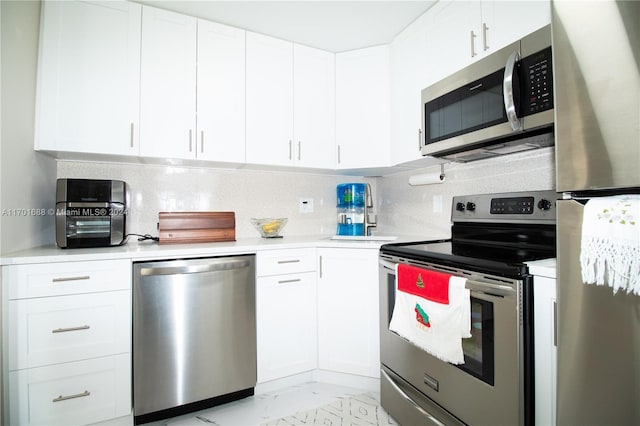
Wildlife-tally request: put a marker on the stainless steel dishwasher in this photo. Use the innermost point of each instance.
(194, 334)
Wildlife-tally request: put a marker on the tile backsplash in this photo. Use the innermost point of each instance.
(248, 193)
(415, 211)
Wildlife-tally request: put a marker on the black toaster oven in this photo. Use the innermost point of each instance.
(91, 213)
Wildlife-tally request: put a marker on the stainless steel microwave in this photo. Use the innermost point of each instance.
(498, 105)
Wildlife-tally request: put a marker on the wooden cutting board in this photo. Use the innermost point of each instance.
(196, 227)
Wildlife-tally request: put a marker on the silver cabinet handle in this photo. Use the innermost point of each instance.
(407, 398)
(299, 150)
(473, 44)
(64, 279)
(64, 330)
(290, 149)
(190, 140)
(202, 141)
(297, 280)
(338, 154)
(320, 267)
(485, 46)
(280, 262)
(507, 91)
(131, 135)
(78, 395)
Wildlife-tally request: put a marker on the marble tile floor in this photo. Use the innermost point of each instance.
(264, 407)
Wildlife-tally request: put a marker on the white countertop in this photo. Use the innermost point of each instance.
(148, 250)
(543, 268)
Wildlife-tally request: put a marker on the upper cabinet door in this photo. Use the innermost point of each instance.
(168, 85)
(269, 110)
(409, 69)
(314, 107)
(363, 108)
(221, 93)
(88, 77)
(507, 21)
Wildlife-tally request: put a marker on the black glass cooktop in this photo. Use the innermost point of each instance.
(494, 249)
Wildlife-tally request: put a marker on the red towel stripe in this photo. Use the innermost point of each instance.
(430, 285)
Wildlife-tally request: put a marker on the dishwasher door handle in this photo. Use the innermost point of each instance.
(195, 269)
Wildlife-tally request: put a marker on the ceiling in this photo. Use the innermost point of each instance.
(335, 26)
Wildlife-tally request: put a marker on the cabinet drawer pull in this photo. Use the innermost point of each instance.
(290, 149)
(299, 150)
(296, 280)
(202, 141)
(64, 330)
(280, 262)
(78, 395)
(131, 135)
(191, 140)
(80, 278)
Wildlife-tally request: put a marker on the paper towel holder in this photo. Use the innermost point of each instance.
(428, 178)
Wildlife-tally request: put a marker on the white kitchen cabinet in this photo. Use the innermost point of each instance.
(286, 313)
(290, 104)
(269, 100)
(313, 107)
(67, 345)
(348, 311)
(88, 77)
(409, 75)
(220, 93)
(508, 21)
(546, 348)
(168, 85)
(74, 393)
(363, 108)
(463, 32)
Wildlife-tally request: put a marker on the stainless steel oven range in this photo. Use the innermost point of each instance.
(492, 235)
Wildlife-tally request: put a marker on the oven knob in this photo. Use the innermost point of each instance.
(544, 204)
(471, 206)
(460, 207)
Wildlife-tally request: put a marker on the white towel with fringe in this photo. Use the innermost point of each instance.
(610, 246)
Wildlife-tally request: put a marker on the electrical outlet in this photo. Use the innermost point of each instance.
(306, 205)
(437, 203)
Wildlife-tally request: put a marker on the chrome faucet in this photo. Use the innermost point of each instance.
(368, 206)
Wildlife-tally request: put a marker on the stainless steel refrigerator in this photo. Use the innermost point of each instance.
(597, 105)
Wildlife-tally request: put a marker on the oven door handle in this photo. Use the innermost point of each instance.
(491, 289)
(410, 400)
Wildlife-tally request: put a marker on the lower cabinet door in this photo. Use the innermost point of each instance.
(75, 393)
(286, 325)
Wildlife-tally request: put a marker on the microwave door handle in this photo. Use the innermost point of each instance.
(507, 91)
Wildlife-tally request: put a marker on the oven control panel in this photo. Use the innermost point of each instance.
(516, 207)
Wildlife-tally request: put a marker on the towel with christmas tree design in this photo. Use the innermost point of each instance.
(433, 311)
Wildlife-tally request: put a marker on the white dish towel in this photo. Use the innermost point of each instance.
(432, 311)
(610, 246)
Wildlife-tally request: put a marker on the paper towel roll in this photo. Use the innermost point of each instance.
(426, 179)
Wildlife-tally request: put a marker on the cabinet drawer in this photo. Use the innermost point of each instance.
(277, 262)
(56, 279)
(75, 393)
(59, 329)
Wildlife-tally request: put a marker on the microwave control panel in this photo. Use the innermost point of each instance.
(538, 82)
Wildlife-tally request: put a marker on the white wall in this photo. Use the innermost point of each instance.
(27, 177)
